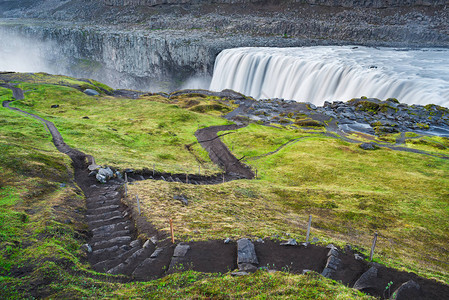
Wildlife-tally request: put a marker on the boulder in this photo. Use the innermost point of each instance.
(246, 252)
(367, 280)
(368, 146)
(104, 174)
(91, 92)
(408, 290)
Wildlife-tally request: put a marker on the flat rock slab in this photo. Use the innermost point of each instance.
(367, 280)
(246, 252)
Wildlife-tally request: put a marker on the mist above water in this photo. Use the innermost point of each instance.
(21, 54)
(330, 73)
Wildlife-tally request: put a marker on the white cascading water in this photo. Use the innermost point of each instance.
(331, 73)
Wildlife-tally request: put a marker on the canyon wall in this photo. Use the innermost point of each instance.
(335, 3)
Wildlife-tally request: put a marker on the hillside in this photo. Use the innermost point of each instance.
(400, 192)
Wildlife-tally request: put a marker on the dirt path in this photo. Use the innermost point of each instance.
(114, 248)
(220, 154)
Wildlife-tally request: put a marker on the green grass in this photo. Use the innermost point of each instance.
(351, 193)
(125, 133)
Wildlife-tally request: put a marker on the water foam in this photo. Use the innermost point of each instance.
(331, 73)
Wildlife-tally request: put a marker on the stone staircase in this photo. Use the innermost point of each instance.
(114, 249)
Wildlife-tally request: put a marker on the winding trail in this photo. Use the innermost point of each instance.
(115, 249)
(219, 153)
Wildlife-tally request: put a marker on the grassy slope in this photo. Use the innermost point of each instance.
(349, 192)
(41, 231)
(124, 133)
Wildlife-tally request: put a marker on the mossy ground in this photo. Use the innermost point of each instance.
(350, 193)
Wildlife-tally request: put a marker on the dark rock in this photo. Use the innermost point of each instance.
(93, 173)
(368, 146)
(181, 198)
(332, 252)
(156, 252)
(367, 280)
(327, 272)
(86, 117)
(181, 250)
(246, 252)
(408, 290)
(55, 106)
(333, 262)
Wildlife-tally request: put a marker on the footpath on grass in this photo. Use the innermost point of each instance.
(115, 249)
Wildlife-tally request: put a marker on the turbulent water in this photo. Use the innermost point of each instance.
(318, 74)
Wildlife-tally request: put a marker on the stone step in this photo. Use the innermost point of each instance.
(120, 240)
(150, 265)
(129, 265)
(111, 228)
(103, 203)
(102, 210)
(106, 236)
(178, 258)
(103, 216)
(108, 264)
(110, 221)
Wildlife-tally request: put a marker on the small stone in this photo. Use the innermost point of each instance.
(290, 242)
(332, 252)
(240, 273)
(227, 240)
(146, 244)
(305, 271)
(134, 243)
(153, 239)
(55, 106)
(368, 146)
(86, 117)
(259, 240)
(315, 240)
(246, 267)
(92, 174)
(331, 246)
(358, 257)
(87, 248)
(304, 244)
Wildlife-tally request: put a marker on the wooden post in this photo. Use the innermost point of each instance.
(223, 177)
(308, 228)
(171, 231)
(199, 169)
(126, 184)
(373, 246)
(154, 166)
(256, 173)
(187, 178)
(138, 204)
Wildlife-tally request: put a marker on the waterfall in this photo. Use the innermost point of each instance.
(331, 73)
